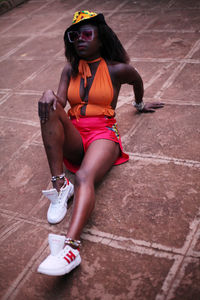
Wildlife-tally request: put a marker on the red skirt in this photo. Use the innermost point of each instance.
(96, 128)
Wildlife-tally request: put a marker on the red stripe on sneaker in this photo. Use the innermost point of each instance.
(67, 260)
(71, 255)
(67, 180)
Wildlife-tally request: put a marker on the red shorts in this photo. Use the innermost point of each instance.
(96, 128)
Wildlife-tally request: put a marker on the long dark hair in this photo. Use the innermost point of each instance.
(111, 49)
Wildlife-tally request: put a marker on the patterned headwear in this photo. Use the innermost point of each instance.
(85, 16)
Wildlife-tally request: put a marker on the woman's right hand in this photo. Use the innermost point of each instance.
(46, 102)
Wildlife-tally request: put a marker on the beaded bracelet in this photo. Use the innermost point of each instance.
(54, 178)
(73, 243)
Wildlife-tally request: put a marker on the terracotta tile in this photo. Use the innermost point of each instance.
(5, 222)
(100, 6)
(6, 21)
(126, 90)
(23, 69)
(197, 246)
(189, 286)
(2, 95)
(22, 181)
(163, 73)
(32, 24)
(168, 132)
(15, 259)
(185, 86)
(196, 55)
(24, 9)
(9, 43)
(24, 106)
(124, 37)
(43, 47)
(183, 4)
(163, 45)
(59, 7)
(60, 26)
(118, 20)
(141, 5)
(98, 277)
(148, 201)
(13, 135)
(46, 79)
(177, 20)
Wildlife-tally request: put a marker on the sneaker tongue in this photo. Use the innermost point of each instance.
(56, 243)
(52, 195)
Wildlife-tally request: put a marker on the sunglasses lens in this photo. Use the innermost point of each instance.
(87, 35)
(73, 36)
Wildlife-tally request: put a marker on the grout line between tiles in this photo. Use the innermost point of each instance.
(14, 287)
(164, 159)
(177, 70)
(176, 272)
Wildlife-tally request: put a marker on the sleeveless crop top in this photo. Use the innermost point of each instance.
(100, 95)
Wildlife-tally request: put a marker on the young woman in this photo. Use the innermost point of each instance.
(87, 139)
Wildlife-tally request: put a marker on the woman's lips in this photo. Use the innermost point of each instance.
(81, 46)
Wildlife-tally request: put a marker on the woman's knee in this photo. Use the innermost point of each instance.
(57, 112)
(82, 176)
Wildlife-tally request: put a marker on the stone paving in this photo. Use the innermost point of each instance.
(143, 239)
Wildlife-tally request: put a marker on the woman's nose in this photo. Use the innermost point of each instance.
(80, 37)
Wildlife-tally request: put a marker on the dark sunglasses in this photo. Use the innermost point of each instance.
(85, 35)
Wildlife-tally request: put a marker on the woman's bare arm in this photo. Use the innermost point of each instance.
(125, 73)
(49, 98)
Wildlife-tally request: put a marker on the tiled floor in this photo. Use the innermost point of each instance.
(143, 239)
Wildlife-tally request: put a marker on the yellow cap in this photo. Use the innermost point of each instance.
(83, 15)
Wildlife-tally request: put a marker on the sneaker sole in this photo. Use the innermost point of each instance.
(63, 271)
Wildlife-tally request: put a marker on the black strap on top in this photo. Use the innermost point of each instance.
(87, 90)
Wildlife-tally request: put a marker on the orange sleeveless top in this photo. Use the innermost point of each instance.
(100, 95)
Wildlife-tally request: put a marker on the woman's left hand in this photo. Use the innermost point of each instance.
(151, 107)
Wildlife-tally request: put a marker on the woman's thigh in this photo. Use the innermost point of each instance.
(99, 158)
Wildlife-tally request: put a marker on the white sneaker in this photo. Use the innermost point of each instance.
(58, 207)
(61, 260)
(56, 243)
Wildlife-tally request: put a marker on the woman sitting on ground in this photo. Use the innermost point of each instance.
(87, 139)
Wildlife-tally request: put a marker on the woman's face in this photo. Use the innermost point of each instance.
(86, 48)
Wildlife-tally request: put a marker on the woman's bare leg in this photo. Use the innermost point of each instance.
(97, 161)
(61, 139)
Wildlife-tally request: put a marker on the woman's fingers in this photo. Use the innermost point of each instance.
(54, 104)
(47, 101)
(150, 107)
(46, 114)
(157, 105)
(148, 110)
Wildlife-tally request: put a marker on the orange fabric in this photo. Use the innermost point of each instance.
(84, 71)
(100, 94)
